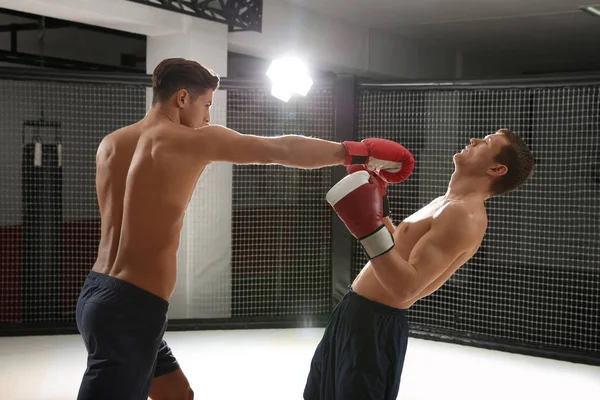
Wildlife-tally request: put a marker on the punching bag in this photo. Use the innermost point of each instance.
(41, 268)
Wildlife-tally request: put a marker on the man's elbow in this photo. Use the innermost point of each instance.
(397, 276)
(407, 290)
(278, 152)
(404, 293)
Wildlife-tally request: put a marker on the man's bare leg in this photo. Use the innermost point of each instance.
(171, 386)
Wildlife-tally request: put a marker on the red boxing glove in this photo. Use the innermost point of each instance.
(358, 203)
(390, 160)
(377, 180)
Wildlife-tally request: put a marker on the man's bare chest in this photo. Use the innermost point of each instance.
(415, 226)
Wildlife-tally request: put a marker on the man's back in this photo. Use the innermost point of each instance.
(143, 188)
(146, 174)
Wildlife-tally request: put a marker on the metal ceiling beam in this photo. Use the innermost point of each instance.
(35, 60)
(52, 23)
(34, 26)
(238, 15)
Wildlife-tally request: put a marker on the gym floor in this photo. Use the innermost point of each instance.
(273, 364)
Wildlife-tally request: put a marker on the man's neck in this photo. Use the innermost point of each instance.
(159, 112)
(465, 187)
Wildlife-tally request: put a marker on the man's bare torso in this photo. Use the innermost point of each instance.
(406, 235)
(143, 185)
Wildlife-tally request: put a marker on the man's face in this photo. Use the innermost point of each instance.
(479, 156)
(196, 114)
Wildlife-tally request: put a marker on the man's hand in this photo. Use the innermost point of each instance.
(377, 180)
(390, 160)
(357, 201)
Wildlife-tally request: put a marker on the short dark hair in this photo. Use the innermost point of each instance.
(517, 157)
(173, 74)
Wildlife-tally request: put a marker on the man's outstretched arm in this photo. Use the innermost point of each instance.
(217, 143)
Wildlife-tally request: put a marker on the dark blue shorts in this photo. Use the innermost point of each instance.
(361, 354)
(122, 327)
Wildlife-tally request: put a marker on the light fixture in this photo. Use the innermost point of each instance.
(593, 10)
(289, 76)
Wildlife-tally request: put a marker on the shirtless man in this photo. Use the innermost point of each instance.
(146, 173)
(361, 354)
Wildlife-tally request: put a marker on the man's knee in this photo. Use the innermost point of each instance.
(185, 394)
(177, 393)
(172, 386)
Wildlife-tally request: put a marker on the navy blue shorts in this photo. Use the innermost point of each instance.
(122, 327)
(361, 354)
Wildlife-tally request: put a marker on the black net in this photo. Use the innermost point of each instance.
(281, 222)
(276, 223)
(536, 278)
(49, 220)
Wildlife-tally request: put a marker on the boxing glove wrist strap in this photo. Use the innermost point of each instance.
(356, 153)
(377, 243)
(386, 206)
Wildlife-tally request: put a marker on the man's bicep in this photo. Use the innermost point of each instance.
(431, 257)
(227, 145)
(438, 249)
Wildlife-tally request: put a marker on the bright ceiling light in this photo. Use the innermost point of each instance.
(289, 76)
(281, 92)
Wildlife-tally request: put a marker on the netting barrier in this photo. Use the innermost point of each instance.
(535, 280)
(256, 238)
(49, 220)
(260, 243)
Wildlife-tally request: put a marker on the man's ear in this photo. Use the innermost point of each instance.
(182, 97)
(497, 170)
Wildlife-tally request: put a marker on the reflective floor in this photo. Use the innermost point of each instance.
(272, 364)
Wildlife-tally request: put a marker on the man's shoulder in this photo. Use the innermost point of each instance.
(180, 133)
(464, 218)
(121, 134)
(140, 131)
(120, 143)
(464, 209)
